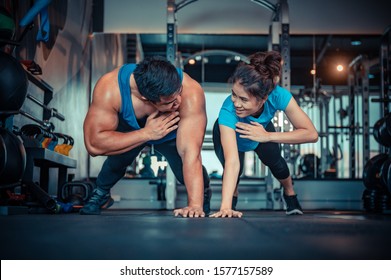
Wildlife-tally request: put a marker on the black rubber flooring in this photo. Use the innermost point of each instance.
(146, 234)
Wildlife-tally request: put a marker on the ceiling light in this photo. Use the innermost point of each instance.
(339, 68)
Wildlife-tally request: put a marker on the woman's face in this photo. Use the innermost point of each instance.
(245, 103)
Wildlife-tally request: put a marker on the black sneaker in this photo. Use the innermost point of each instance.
(234, 202)
(292, 205)
(207, 197)
(99, 200)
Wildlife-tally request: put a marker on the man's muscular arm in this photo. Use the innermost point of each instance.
(190, 137)
(101, 122)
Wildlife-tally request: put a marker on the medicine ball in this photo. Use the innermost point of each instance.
(13, 83)
(382, 131)
(13, 158)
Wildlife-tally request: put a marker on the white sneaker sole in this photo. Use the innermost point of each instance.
(294, 212)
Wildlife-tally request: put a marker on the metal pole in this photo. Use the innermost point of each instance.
(279, 41)
(385, 70)
(171, 32)
(385, 74)
(365, 112)
(171, 52)
(351, 114)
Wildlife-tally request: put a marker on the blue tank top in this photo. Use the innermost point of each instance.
(127, 110)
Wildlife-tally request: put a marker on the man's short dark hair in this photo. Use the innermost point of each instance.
(156, 77)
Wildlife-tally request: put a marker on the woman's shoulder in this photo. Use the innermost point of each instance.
(228, 100)
(279, 93)
(280, 90)
(280, 97)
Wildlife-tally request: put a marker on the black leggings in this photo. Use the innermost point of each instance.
(269, 153)
(114, 167)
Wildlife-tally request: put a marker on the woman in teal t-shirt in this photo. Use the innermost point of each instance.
(244, 124)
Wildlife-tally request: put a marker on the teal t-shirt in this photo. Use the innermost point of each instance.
(277, 100)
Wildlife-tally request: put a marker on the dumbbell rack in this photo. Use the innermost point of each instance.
(45, 158)
(42, 158)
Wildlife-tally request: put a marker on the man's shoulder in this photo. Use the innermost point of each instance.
(108, 79)
(187, 80)
(108, 84)
(191, 87)
(110, 75)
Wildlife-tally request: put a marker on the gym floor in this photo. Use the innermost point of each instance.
(145, 234)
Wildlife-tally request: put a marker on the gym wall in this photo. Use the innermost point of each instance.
(65, 62)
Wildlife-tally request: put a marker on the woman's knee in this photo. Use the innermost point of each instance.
(280, 169)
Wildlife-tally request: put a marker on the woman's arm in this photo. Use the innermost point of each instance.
(304, 130)
(231, 172)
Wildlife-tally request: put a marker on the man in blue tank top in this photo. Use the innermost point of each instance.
(149, 103)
